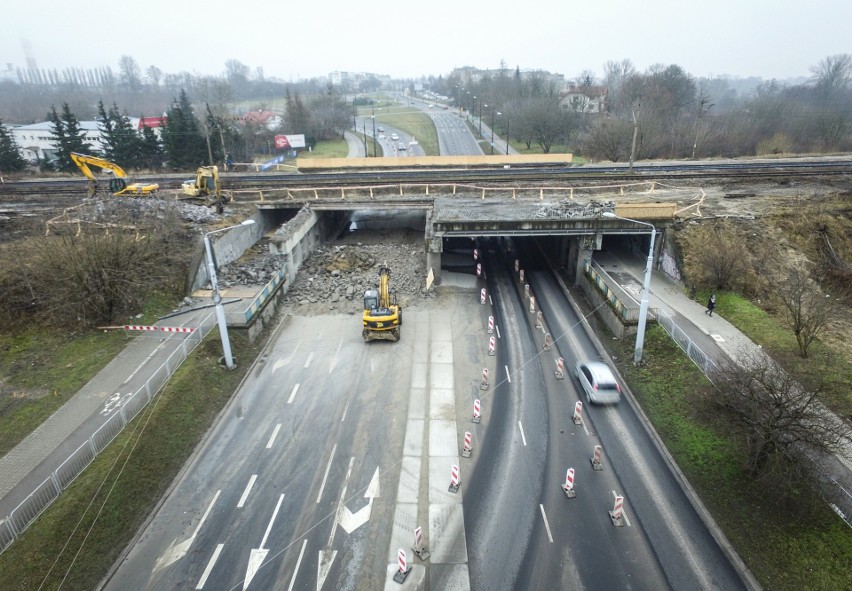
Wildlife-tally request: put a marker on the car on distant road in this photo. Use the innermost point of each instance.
(401, 146)
(381, 129)
(598, 382)
(394, 137)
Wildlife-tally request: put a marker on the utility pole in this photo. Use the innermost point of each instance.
(635, 135)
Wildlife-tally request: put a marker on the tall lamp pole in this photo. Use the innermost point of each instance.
(646, 287)
(480, 116)
(492, 129)
(217, 297)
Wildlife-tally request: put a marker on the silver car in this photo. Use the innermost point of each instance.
(598, 382)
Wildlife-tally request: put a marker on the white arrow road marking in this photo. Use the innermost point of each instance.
(257, 555)
(351, 521)
(286, 360)
(177, 551)
(327, 556)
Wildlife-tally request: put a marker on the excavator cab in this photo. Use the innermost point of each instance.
(206, 185)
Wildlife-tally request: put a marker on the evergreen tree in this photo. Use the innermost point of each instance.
(151, 150)
(10, 158)
(183, 142)
(68, 137)
(122, 143)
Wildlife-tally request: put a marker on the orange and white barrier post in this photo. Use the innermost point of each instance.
(596, 458)
(467, 444)
(568, 487)
(526, 290)
(517, 265)
(482, 296)
(521, 273)
(420, 548)
(479, 269)
(455, 480)
(492, 343)
(560, 368)
(403, 568)
(532, 304)
(548, 341)
(483, 383)
(539, 320)
(617, 512)
(477, 411)
(578, 412)
(475, 254)
(490, 324)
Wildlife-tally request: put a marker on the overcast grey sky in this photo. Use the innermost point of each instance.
(307, 38)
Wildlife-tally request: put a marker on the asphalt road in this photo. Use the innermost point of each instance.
(332, 451)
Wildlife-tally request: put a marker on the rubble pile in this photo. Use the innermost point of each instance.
(256, 267)
(336, 276)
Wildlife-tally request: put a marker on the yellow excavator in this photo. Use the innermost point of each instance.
(382, 315)
(117, 183)
(206, 184)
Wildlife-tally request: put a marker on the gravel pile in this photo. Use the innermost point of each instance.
(256, 268)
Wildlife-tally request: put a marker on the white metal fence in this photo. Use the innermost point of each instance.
(45, 493)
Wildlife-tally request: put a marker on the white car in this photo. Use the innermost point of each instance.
(394, 137)
(401, 146)
(598, 382)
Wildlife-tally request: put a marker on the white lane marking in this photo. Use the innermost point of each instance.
(271, 521)
(274, 435)
(327, 468)
(523, 437)
(508, 377)
(623, 512)
(206, 513)
(247, 491)
(298, 562)
(546, 525)
(145, 361)
(489, 301)
(585, 428)
(497, 328)
(308, 362)
(333, 363)
(209, 568)
(293, 394)
(346, 408)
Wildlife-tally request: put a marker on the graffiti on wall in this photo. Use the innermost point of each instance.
(669, 266)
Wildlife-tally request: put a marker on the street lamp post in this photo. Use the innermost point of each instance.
(646, 287)
(492, 129)
(480, 116)
(507, 135)
(217, 297)
(374, 134)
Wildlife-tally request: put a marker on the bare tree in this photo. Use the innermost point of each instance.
(154, 74)
(808, 308)
(714, 255)
(130, 72)
(780, 418)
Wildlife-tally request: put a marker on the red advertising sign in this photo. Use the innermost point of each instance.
(281, 142)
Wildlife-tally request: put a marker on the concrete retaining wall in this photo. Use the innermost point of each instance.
(603, 310)
(227, 247)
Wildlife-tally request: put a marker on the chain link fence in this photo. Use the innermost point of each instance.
(49, 490)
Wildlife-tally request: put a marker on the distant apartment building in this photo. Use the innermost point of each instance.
(36, 141)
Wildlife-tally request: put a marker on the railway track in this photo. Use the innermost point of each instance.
(541, 174)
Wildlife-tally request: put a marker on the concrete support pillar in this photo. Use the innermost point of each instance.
(585, 247)
(564, 248)
(434, 248)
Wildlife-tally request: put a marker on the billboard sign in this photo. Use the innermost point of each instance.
(285, 142)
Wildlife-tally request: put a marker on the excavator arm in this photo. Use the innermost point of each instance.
(117, 184)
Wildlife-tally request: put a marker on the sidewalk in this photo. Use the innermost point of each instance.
(717, 337)
(34, 472)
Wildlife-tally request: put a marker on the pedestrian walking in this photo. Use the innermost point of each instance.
(711, 305)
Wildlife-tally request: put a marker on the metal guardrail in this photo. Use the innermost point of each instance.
(49, 490)
(693, 351)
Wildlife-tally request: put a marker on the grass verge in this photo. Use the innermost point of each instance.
(101, 511)
(415, 123)
(42, 369)
(338, 148)
(798, 545)
(831, 368)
